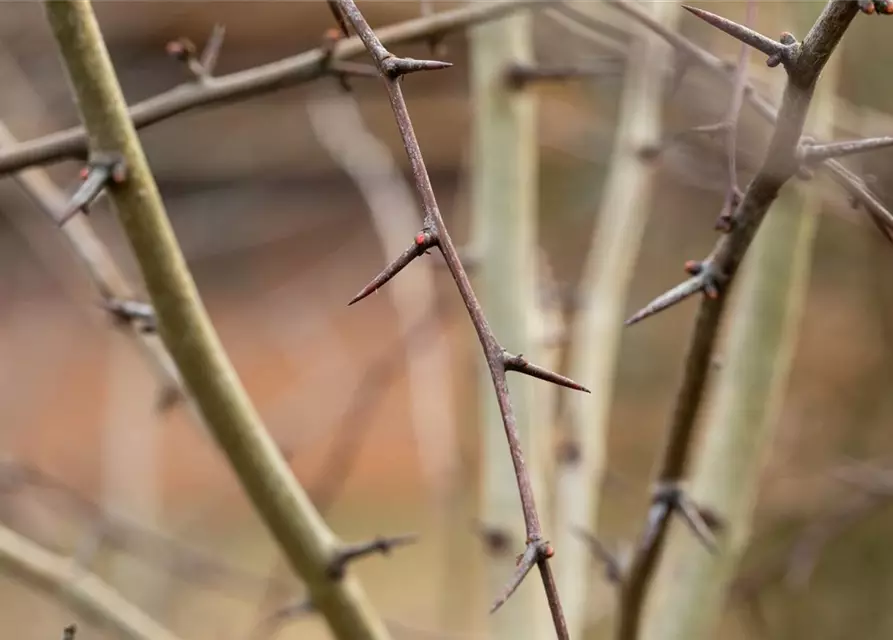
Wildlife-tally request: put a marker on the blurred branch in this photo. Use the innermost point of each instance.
(856, 187)
(602, 293)
(780, 164)
(84, 592)
(187, 332)
(304, 67)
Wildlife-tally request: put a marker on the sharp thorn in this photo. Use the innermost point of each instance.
(521, 365)
(696, 523)
(525, 564)
(353, 552)
(738, 31)
(423, 241)
(672, 297)
(395, 67)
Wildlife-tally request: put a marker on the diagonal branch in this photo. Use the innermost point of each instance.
(304, 67)
(392, 68)
(84, 592)
(779, 165)
(187, 332)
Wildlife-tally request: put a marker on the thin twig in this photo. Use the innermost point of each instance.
(435, 234)
(187, 331)
(304, 67)
(780, 164)
(83, 592)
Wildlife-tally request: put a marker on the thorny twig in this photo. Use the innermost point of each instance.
(803, 63)
(695, 54)
(435, 234)
(304, 67)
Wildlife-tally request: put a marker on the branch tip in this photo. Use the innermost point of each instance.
(777, 51)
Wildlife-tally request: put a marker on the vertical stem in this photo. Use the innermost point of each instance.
(691, 586)
(504, 196)
(603, 290)
(190, 338)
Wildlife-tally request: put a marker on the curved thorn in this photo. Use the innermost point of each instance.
(738, 31)
(521, 365)
(525, 564)
(666, 300)
(422, 242)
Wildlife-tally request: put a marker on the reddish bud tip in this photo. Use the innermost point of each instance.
(549, 551)
(421, 240)
(332, 34)
(693, 267)
(84, 172)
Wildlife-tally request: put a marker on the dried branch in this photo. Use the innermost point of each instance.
(780, 164)
(304, 67)
(392, 68)
(84, 592)
(349, 553)
(811, 153)
(187, 332)
(692, 52)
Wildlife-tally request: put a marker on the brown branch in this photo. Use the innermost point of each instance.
(304, 67)
(780, 164)
(351, 552)
(538, 550)
(696, 54)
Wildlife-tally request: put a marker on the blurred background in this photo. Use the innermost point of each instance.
(377, 410)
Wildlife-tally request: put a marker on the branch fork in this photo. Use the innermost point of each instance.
(537, 551)
(669, 498)
(201, 67)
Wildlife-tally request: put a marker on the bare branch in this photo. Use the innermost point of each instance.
(816, 153)
(304, 67)
(83, 592)
(780, 51)
(190, 337)
(779, 166)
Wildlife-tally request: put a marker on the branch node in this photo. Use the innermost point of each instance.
(382, 545)
(536, 551)
(706, 278)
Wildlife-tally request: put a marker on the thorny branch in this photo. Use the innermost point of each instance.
(435, 234)
(304, 67)
(803, 63)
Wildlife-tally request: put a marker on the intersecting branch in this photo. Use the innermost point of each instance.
(435, 234)
(803, 64)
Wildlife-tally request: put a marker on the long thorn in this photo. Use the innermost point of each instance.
(666, 300)
(521, 365)
(211, 52)
(525, 564)
(394, 66)
(696, 523)
(352, 552)
(423, 241)
(746, 35)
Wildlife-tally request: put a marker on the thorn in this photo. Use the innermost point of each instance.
(100, 170)
(211, 52)
(184, 50)
(695, 521)
(349, 553)
(744, 34)
(814, 153)
(394, 67)
(612, 566)
(705, 278)
(525, 563)
(426, 239)
(519, 364)
(339, 17)
(128, 311)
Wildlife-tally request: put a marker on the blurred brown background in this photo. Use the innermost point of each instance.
(279, 239)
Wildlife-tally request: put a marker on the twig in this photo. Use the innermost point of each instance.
(435, 234)
(84, 592)
(780, 164)
(351, 552)
(304, 67)
(187, 332)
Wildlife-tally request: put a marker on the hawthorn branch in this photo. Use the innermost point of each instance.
(84, 592)
(435, 233)
(256, 81)
(187, 332)
(780, 164)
